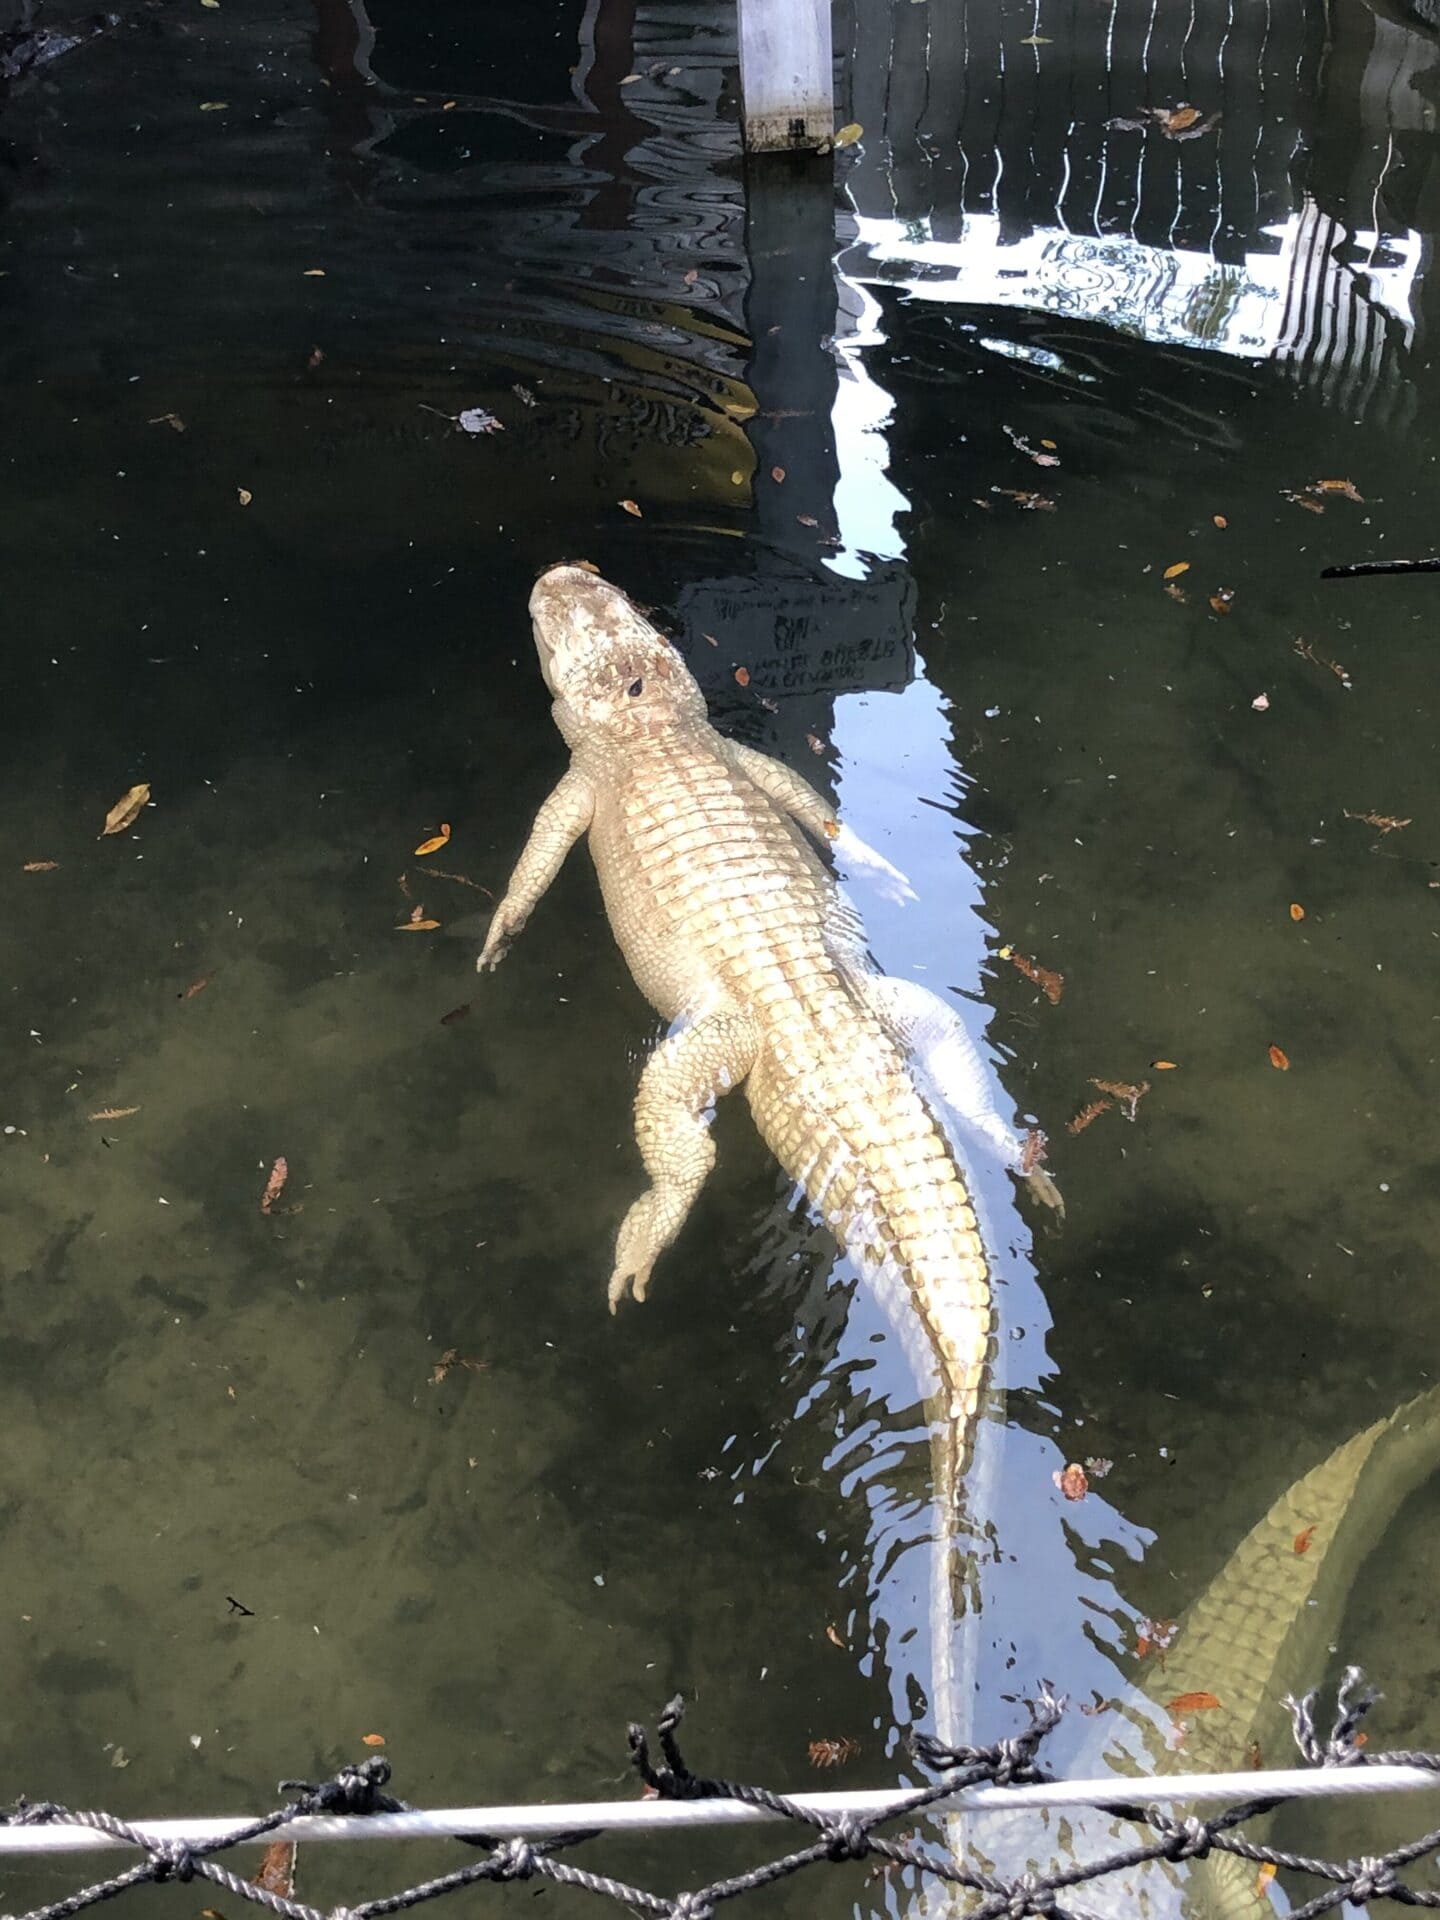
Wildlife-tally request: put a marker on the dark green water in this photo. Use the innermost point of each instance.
(198, 1400)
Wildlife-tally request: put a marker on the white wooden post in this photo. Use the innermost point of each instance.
(786, 74)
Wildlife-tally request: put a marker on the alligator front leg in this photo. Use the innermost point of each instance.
(682, 1080)
(790, 791)
(932, 1030)
(558, 825)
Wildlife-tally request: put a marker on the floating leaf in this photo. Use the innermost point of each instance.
(1222, 599)
(832, 1634)
(815, 743)
(1301, 1542)
(1297, 912)
(1032, 1154)
(199, 986)
(313, 273)
(1128, 1094)
(847, 135)
(1279, 1060)
(1176, 592)
(1097, 1466)
(1051, 984)
(126, 810)
(114, 1113)
(1088, 1115)
(40, 866)
(1345, 488)
(1383, 822)
(777, 474)
(1192, 1703)
(742, 676)
(1154, 1636)
(213, 106)
(372, 1739)
(1261, 703)
(1220, 521)
(1174, 573)
(1074, 1482)
(807, 520)
(417, 926)
(277, 1870)
(171, 420)
(451, 1358)
(436, 841)
(275, 1185)
(1163, 1066)
(630, 507)
(1177, 119)
(833, 1753)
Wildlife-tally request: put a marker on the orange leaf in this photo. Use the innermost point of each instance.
(630, 507)
(1174, 573)
(742, 676)
(417, 926)
(1264, 1876)
(275, 1185)
(1279, 1060)
(372, 1740)
(1163, 1066)
(1220, 521)
(1191, 1703)
(831, 829)
(199, 986)
(1302, 1539)
(832, 1634)
(1297, 912)
(1074, 1482)
(436, 841)
(277, 1869)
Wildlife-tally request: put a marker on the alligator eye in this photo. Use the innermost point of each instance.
(635, 689)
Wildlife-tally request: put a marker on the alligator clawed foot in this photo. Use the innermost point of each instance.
(635, 1255)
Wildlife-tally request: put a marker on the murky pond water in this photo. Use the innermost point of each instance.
(254, 265)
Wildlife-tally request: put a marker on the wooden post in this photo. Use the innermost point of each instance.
(786, 74)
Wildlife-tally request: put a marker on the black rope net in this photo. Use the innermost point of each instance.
(1164, 1839)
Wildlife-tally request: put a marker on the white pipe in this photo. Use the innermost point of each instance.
(538, 1823)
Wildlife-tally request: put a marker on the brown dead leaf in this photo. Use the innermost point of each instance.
(1051, 984)
(1176, 592)
(275, 1185)
(126, 810)
(1220, 521)
(1345, 488)
(199, 986)
(1301, 500)
(847, 135)
(1382, 822)
(1027, 502)
(1074, 1482)
(629, 506)
(452, 1358)
(277, 1869)
(832, 1634)
(436, 840)
(1301, 1542)
(1032, 1154)
(742, 676)
(417, 926)
(1297, 912)
(833, 1753)
(1177, 119)
(1126, 1092)
(1222, 600)
(171, 420)
(1279, 1059)
(114, 1113)
(372, 1739)
(40, 866)
(1088, 1115)
(815, 743)
(777, 474)
(1192, 1703)
(456, 1014)
(1174, 573)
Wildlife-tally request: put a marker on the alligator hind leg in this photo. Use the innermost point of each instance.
(682, 1080)
(931, 1029)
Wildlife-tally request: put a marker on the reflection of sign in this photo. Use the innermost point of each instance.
(800, 633)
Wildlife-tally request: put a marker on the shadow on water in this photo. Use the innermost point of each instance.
(253, 266)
